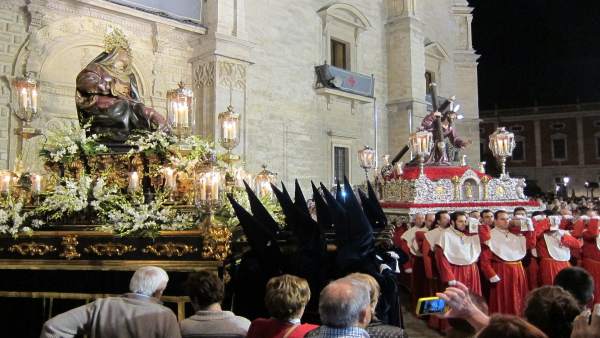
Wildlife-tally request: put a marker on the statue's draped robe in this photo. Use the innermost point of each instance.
(451, 141)
(110, 102)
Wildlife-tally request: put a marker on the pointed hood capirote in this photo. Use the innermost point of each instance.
(380, 214)
(299, 200)
(305, 229)
(323, 215)
(260, 213)
(262, 242)
(357, 251)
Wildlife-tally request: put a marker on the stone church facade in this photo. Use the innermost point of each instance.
(260, 57)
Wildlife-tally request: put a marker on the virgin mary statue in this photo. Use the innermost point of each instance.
(107, 96)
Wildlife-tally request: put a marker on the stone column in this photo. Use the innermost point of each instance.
(580, 140)
(537, 135)
(219, 66)
(465, 68)
(406, 71)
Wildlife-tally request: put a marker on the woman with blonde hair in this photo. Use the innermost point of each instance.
(286, 297)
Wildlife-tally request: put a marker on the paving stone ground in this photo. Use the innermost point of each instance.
(414, 327)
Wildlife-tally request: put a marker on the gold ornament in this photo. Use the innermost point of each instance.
(116, 39)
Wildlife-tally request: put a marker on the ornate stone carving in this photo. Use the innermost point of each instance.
(69, 243)
(31, 249)
(169, 249)
(204, 75)
(109, 249)
(232, 75)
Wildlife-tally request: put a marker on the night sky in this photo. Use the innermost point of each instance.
(544, 51)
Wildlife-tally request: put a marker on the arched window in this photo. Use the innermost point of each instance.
(342, 25)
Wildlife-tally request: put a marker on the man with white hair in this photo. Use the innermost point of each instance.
(135, 314)
(345, 310)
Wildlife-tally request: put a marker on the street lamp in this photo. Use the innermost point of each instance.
(587, 189)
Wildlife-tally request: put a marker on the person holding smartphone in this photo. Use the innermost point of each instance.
(500, 262)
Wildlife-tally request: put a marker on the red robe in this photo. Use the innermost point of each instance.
(591, 255)
(432, 277)
(550, 267)
(419, 285)
(507, 295)
(466, 274)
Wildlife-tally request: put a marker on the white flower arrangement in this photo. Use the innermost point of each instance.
(200, 150)
(146, 219)
(13, 219)
(67, 198)
(156, 142)
(65, 143)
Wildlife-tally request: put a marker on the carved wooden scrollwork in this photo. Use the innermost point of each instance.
(109, 249)
(217, 243)
(169, 249)
(31, 249)
(69, 243)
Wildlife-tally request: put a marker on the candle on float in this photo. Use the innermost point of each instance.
(5, 188)
(170, 181)
(214, 187)
(228, 130)
(182, 113)
(36, 183)
(34, 99)
(24, 98)
(202, 188)
(134, 181)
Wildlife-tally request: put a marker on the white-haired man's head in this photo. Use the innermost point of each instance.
(149, 281)
(345, 303)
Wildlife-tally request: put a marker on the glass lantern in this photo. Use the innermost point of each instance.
(421, 144)
(180, 110)
(229, 123)
(263, 181)
(208, 187)
(366, 159)
(27, 91)
(502, 144)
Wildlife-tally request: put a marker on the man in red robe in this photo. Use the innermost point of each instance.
(590, 252)
(457, 253)
(500, 262)
(553, 247)
(409, 245)
(427, 241)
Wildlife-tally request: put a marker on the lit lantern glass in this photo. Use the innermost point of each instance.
(262, 182)
(366, 158)
(229, 123)
(27, 96)
(502, 143)
(180, 110)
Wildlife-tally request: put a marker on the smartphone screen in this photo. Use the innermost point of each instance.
(430, 305)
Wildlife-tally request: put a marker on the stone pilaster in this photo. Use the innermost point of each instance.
(406, 71)
(465, 70)
(220, 65)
